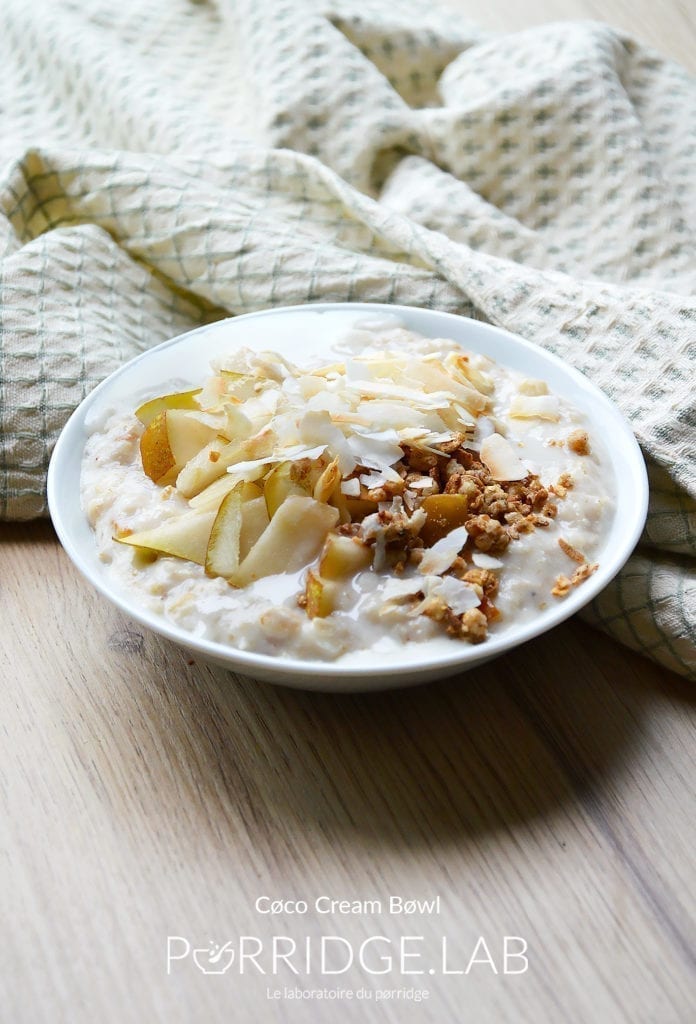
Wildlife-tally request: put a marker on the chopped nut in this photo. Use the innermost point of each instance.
(488, 534)
(578, 442)
(473, 626)
(484, 578)
(561, 586)
(570, 551)
(446, 447)
(583, 572)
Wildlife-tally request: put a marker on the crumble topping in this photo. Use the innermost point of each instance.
(578, 442)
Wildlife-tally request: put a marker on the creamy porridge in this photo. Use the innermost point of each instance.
(402, 490)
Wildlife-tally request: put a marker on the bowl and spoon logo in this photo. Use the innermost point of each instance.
(214, 958)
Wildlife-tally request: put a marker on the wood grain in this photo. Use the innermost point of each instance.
(547, 795)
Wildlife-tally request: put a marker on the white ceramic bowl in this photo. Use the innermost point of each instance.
(301, 332)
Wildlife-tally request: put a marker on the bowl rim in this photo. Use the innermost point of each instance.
(282, 665)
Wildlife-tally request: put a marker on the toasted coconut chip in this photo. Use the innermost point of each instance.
(500, 458)
(460, 365)
(440, 556)
(329, 401)
(459, 595)
(375, 451)
(351, 488)
(250, 470)
(433, 376)
(531, 386)
(380, 414)
(384, 389)
(318, 428)
(534, 407)
(484, 561)
(373, 480)
(459, 418)
(394, 589)
(309, 385)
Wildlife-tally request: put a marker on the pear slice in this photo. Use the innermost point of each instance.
(207, 466)
(211, 496)
(293, 538)
(155, 451)
(185, 537)
(445, 513)
(214, 460)
(321, 596)
(327, 483)
(170, 440)
(358, 508)
(298, 477)
(179, 400)
(343, 557)
(254, 520)
(222, 554)
(279, 485)
(239, 523)
(188, 432)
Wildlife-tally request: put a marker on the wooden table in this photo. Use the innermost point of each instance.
(152, 803)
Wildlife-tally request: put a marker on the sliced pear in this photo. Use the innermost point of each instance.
(321, 596)
(188, 433)
(185, 537)
(279, 485)
(155, 451)
(222, 554)
(343, 557)
(293, 538)
(327, 483)
(254, 520)
(170, 440)
(214, 460)
(211, 497)
(445, 513)
(208, 465)
(179, 400)
(297, 477)
(360, 507)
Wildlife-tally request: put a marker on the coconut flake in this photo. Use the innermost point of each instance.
(392, 589)
(375, 451)
(458, 594)
(382, 413)
(384, 389)
(351, 488)
(317, 428)
(484, 561)
(440, 556)
(534, 407)
(371, 480)
(420, 483)
(293, 454)
(501, 460)
(432, 375)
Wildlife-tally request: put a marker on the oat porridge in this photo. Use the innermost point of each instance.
(404, 489)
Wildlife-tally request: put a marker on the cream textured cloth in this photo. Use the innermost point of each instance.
(165, 163)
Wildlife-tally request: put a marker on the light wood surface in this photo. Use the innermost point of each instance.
(548, 795)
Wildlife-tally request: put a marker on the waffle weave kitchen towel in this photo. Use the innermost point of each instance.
(164, 163)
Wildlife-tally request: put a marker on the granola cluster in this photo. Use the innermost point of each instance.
(495, 514)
